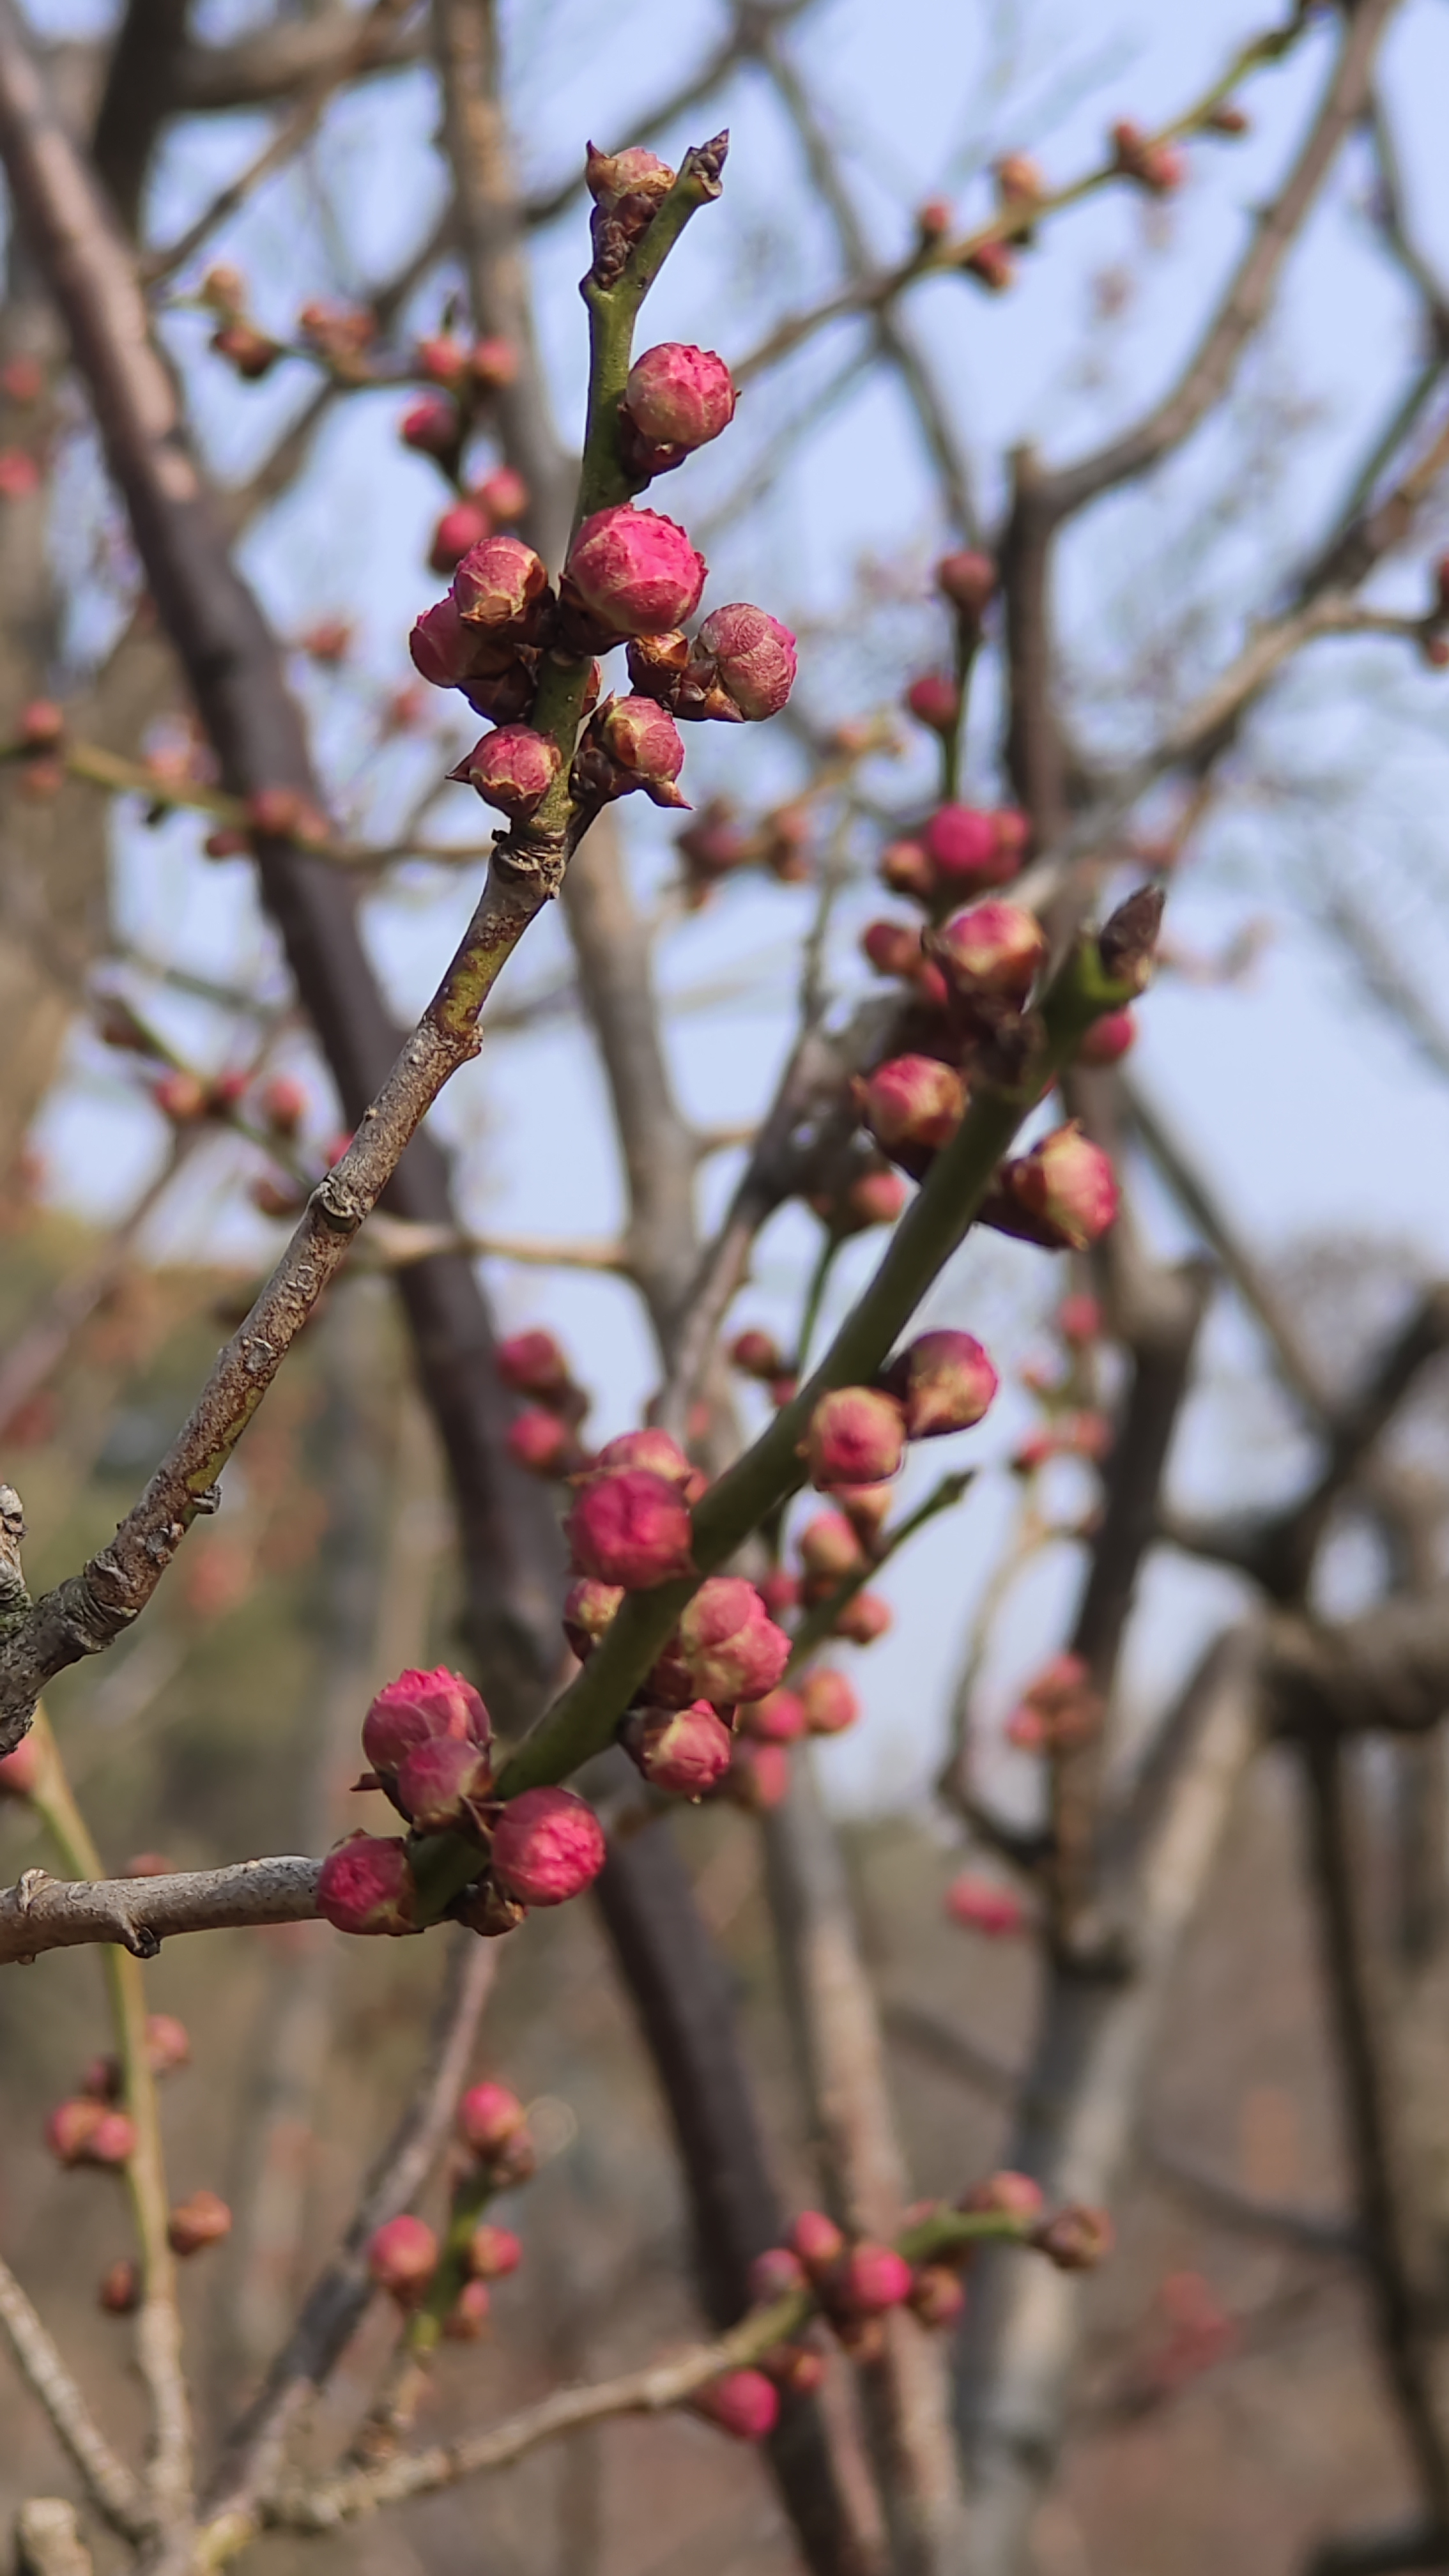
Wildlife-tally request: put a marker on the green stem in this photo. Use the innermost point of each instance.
(819, 1623)
(814, 1299)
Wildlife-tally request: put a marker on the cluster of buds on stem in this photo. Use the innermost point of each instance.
(445, 2288)
(544, 1434)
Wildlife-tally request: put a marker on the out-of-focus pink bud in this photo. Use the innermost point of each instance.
(684, 1751)
(40, 724)
(548, 1845)
(490, 2118)
(868, 2280)
(816, 2241)
(643, 738)
(180, 1096)
(856, 1436)
(1108, 1039)
(993, 262)
(532, 1364)
(631, 1528)
(968, 580)
(168, 2043)
(778, 1718)
(1158, 167)
(980, 1905)
(1079, 1319)
(912, 1105)
(103, 2080)
(830, 1704)
(867, 1507)
(1067, 1185)
(588, 1613)
(657, 1451)
(250, 351)
(20, 1770)
(773, 2275)
(994, 948)
(493, 2252)
(906, 869)
(366, 1886)
(863, 1619)
(612, 176)
(962, 845)
(636, 571)
(283, 1104)
(938, 2296)
(417, 1708)
(492, 364)
(120, 2290)
(442, 358)
(1075, 2239)
(892, 948)
(511, 769)
(111, 2142)
(22, 379)
(759, 1776)
(462, 525)
(1060, 1708)
(432, 426)
(935, 700)
(194, 2224)
(713, 845)
(468, 2315)
(751, 656)
(497, 583)
(503, 494)
(945, 1381)
(779, 1591)
(1005, 2195)
(543, 1442)
(743, 2403)
(757, 1354)
(1013, 833)
(728, 1641)
(402, 2257)
(440, 1785)
(71, 2127)
(679, 397)
(830, 1548)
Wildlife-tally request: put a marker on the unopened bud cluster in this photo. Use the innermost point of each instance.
(453, 2278)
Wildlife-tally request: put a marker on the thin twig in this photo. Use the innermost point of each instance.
(107, 2480)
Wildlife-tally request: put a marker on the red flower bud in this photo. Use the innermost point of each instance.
(945, 1382)
(773, 2275)
(71, 2127)
(532, 1364)
(743, 2402)
(778, 1590)
(179, 1096)
(751, 656)
(968, 580)
(830, 1704)
(892, 947)
(365, 1885)
(202, 2220)
(912, 1105)
(402, 2257)
(542, 1442)
(168, 2044)
(994, 948)
(490, 2118)
(1005, 2195)
(817, 2241)
(610, 176)
(856, 1436)
(438, 1785)
(679, 397)
(868, 2280)
(757, 1354)
(636, 571)
(631, 1528)
(432, 426)
(442, 650)
(829, 1547)
(497, 582)
(1108, 1039)
(979, 1905)
(728, 1641)
(468, 2314)
(120, 2290)
(493, 2252)
(863, 1618)
(461, 526)
(1076, 2238)
(937, 2296)
(1079, 1319)
(685, 1751)
(547, 1846)
(443, 358)
(778, 1718)
(41, 724)
(962, 845)
(906, 869)
(503, 494)
(512, 770)
(415, 1709)
(993, 263)
(20, 1770)
(657, 1451)
(588, 1611)
(642, 737)
(493, 364)
(935, 700)
(1067, 1185)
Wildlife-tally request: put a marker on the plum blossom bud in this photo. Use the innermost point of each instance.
(729, 1643)
(1066, 1188)
(657, 1451)
(532, 1364)
(968, 580)
(773, 2275)
(194, 2224)
(642, 738)
(759, 1776)
(120, 2290)
(906, 869)
(631, 1528)
(679, 397)
(1004, 2195)
(432, 426)
(548, 1845)
(588, 1613)
(439, 1785)
(443, 652)
(944, 1381)
(963, 847)
(20, 1770)
(1076, 2239)
(937, 2296)
(503, 494)
(892, 947)
(497, 583)
(417, 1708)
(749, 655)
(490, 2118)
(994, 948)
(829, 1548)
(493, 2252)
(1108, 1039)
(542, 1442)
(1079, 1319)
(685, 1751)
(993, 263)
(442, 358)
(868, 2280)
(610, 176)
(912, 1105)
(402, 2257)
(168, 2043)
(979, 1905)
(366, 1886)
(71, 2127)
(778, 1718)
(757, 1354)
(742, 2402)
(468, 2315)
(830, 1704)
(856, 1436)
(935, 700)
(492, 364)
(816, 2241)
(512, 769)
(779, 1590)
(461, 526)
(863, 1619)
(636, 572)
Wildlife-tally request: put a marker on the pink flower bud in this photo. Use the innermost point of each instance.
(1005, 2195)
(1108, 1039)
(548, 1845)
(892, 948)
(610, 176)
(468, 2315)
(994, 948)
(461, 526)
(432, 426)
(493, 364)
(71, 2127)
(968, 580)
(938, 2297)
(868, 2280)
(906, 869)
(863, 1619)
(443, 358)
(912, 1105)
(111, 2142)
(829, 1547)
(442, 650)
(490, 2118)
(751, 656)
(779, 1591)
(656, 1451)
(365, 1885)
(729, 1642)
(1076, 2239)
(493, 2252)
(1067, 1185)
(402, 2257)
(773, 2275)
(20, 1770)
(636, 572)
(857, 1436)
(532, 1364)
(743, 2403)
(415, 1709)
(194, 2224)
(1079, 1319)
(935, 700)
(829, 1702)
(168, 2044)
(962, 845)
(679, 397)
(120, 2290)
(542, 1442)
(778, 1718)
(1013, 832)
(993, 263)
(817, 2241)
(643, 738)
(503, 494)
(588, 1612)
(979, 1905)
(757, 1354)
(945, 1381)
(179, 1096)
(512, 770)
(685, 1751)
(497, 583)
(439, 1785)
(759, 1776)
(631, 1528)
